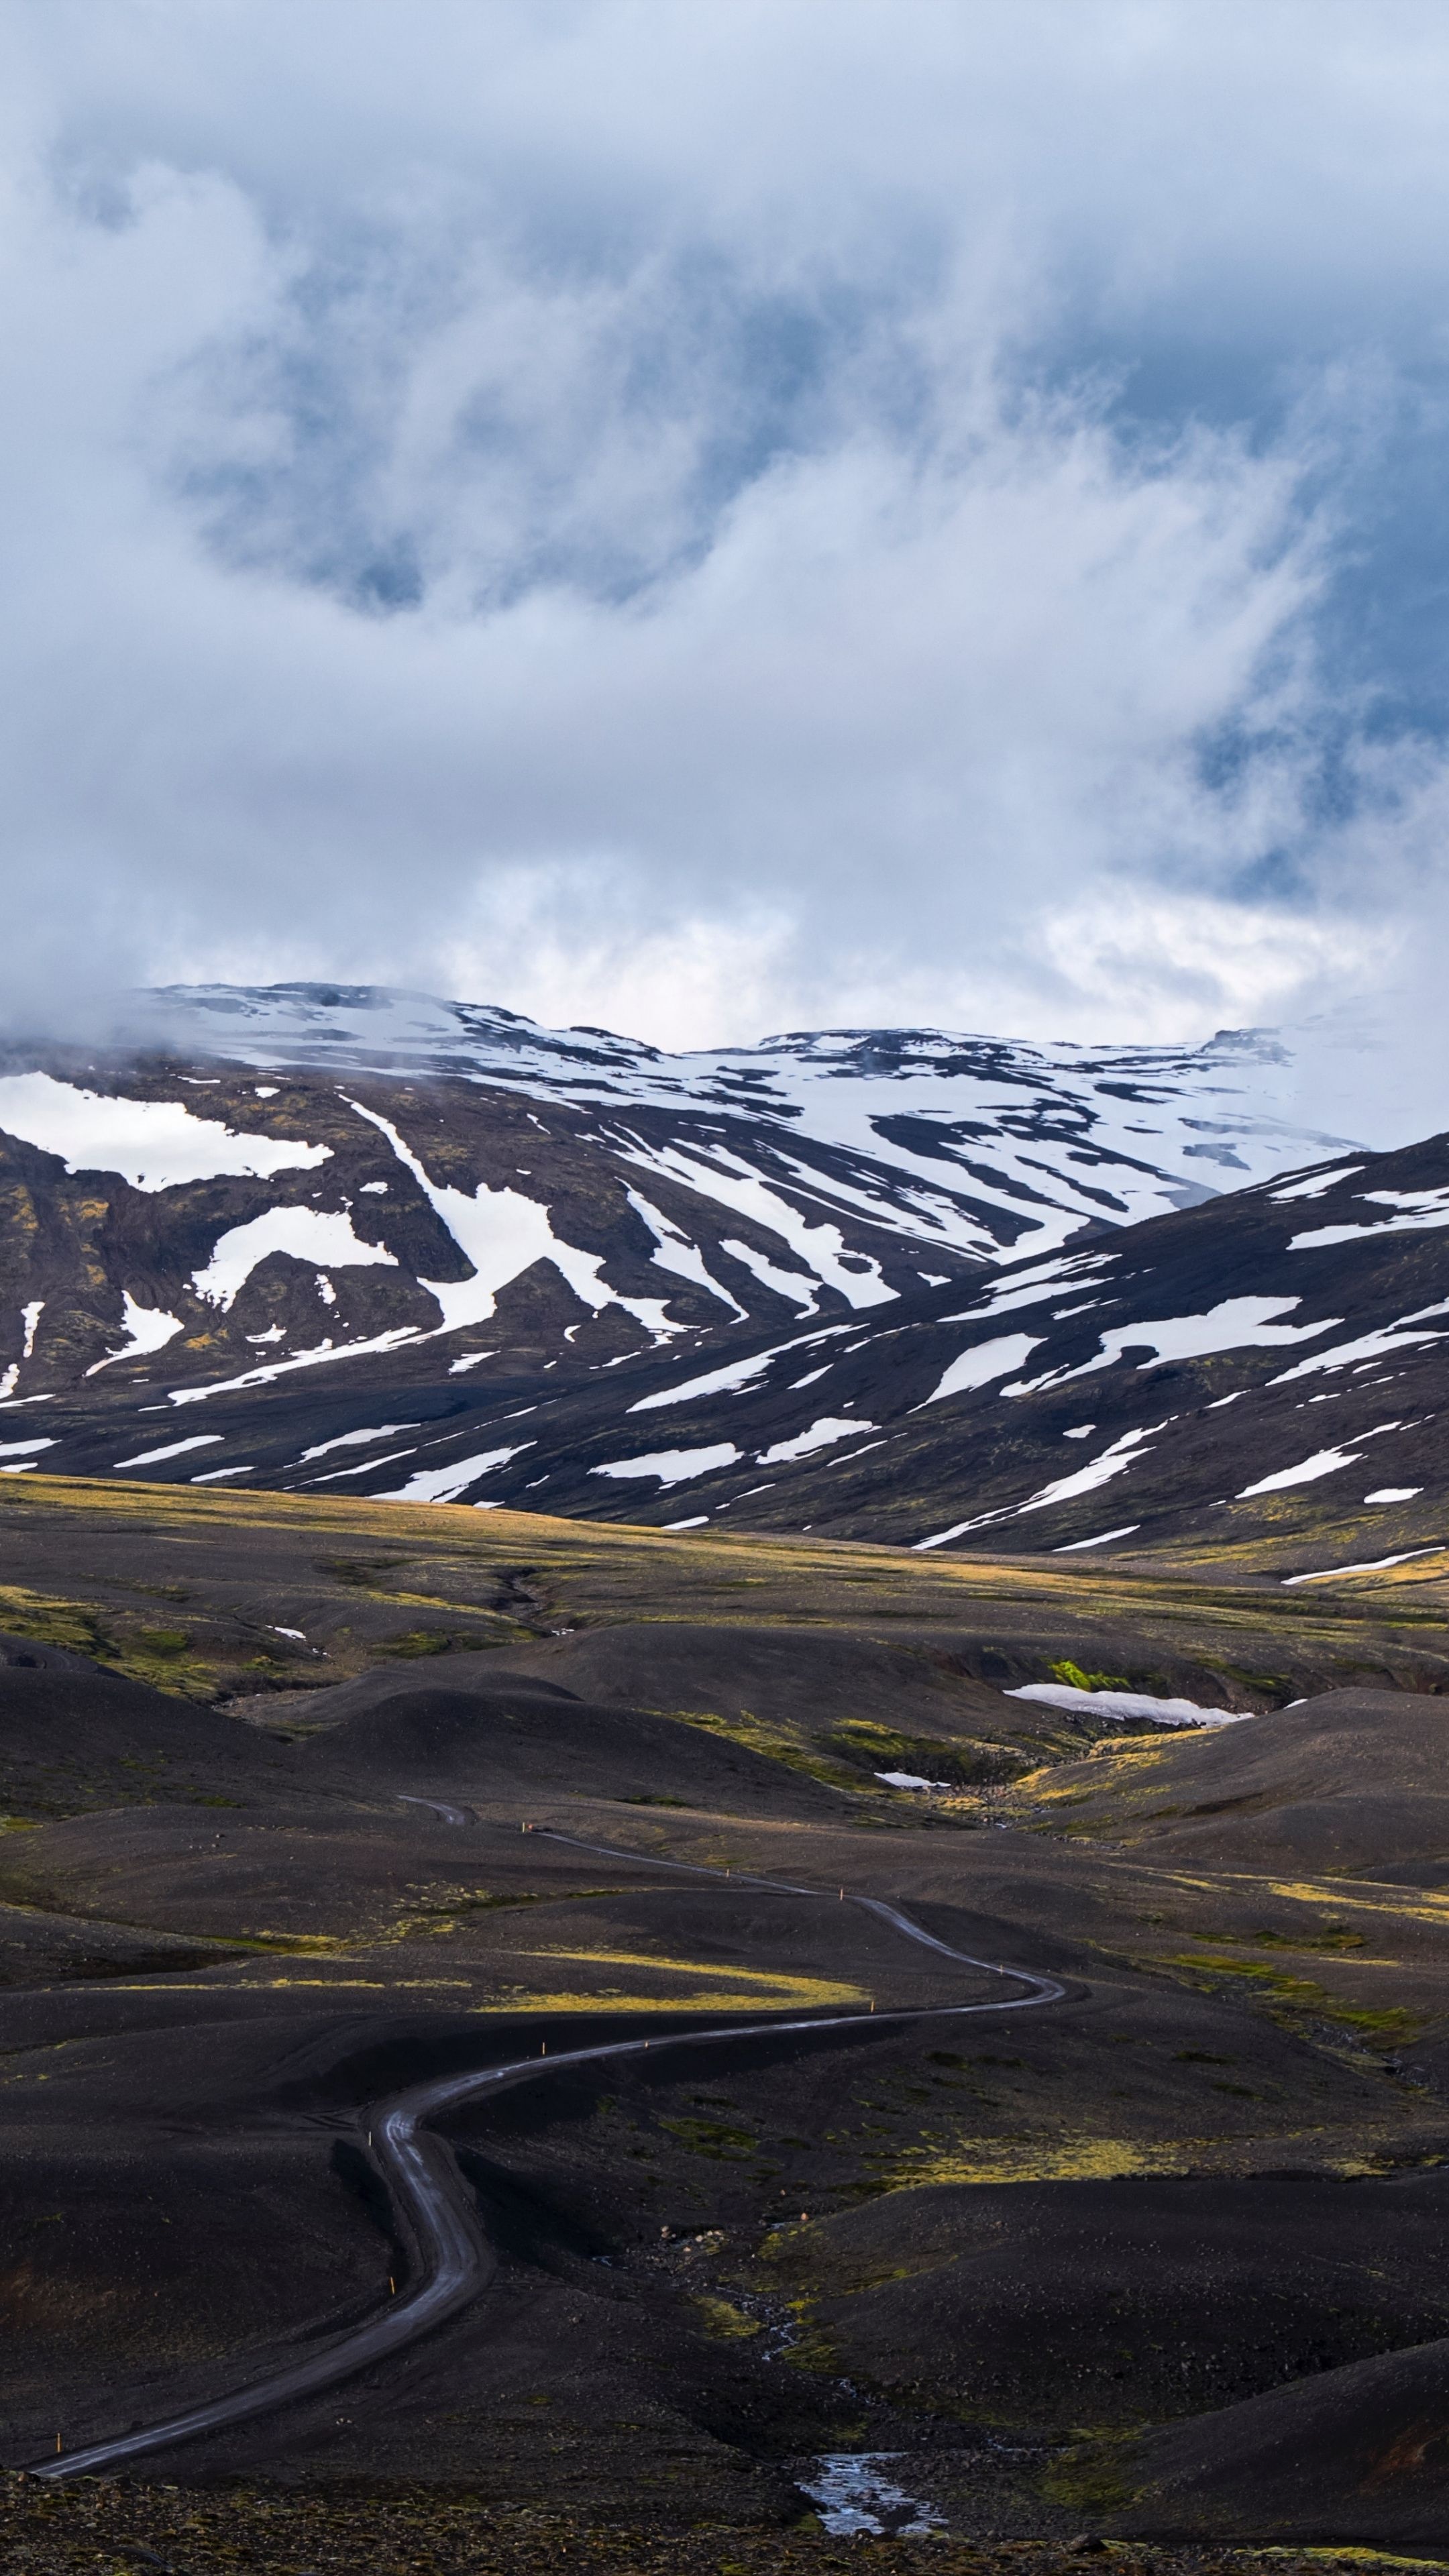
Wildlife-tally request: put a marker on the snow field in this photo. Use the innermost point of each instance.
(153, 1144)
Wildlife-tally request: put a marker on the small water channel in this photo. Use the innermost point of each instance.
(853, 2493)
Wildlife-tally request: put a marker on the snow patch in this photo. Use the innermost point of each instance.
(153, 1144)
(365, 1467)
(1034, 1291)
(1383, 1343)
(673, 1251)
(1167, 1712)
(983, 1364)
(1109, 1462)
(307, 1234)
(675, 1466)
(501, 1233)
(148, 1328)
(792, 1285)
(1374, 1565)
(444, 1484)
(355, 1440)
(820, 1249)
(320, 1353)
(1073, 1545)
(173, 1449)
(821, 1435)
(736, 1375)
(1235, 1324)
(1316, 1184)
(1418, 1209)
(1324, 1462)
(1112, 1461)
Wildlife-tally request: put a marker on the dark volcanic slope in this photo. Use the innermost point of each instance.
(232, 1598)
(73, 1740)
(437, 1253)
(1357, 1781)
(1359, 2455)
(420, 1190)
(474, 1733)
(1259, 1373)
(1199, 2204)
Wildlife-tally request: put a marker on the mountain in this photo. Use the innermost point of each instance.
(986, 1144)
(297, 1245)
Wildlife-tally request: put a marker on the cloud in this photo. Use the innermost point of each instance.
(710, 520)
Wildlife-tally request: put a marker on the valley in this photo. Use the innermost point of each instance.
(401, 1798)
(721, 1800)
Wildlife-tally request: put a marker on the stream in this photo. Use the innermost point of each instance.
(853, 2494)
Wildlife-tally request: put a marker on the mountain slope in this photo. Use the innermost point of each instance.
(1262, 1373)
(988, 1143)
(441, 1254)
(423, 1169)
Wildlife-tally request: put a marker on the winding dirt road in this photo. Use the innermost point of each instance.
(452, 2261)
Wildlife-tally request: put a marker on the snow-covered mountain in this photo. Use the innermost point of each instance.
(367, 1241)
(985, 1143)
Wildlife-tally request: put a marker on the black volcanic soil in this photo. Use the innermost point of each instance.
(407, 2531)
(469, 1726)
(1165, 2260)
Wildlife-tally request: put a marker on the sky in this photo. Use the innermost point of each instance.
(768, 514)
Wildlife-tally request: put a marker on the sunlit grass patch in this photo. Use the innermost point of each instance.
(54, 1622)
(1083, 2158)
(618, 1999)
(724, 2322)
(1411, 1905)
(718, 2139)
(1389, 2025)
(1092, 2476)
(762, 1985)
(793, 1753)
(1330, 2553)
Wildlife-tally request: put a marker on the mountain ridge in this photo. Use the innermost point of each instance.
(766, 1282)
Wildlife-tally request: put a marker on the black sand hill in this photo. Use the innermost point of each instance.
(1162, 2256)
(1354, 1784)
(475, 1733)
